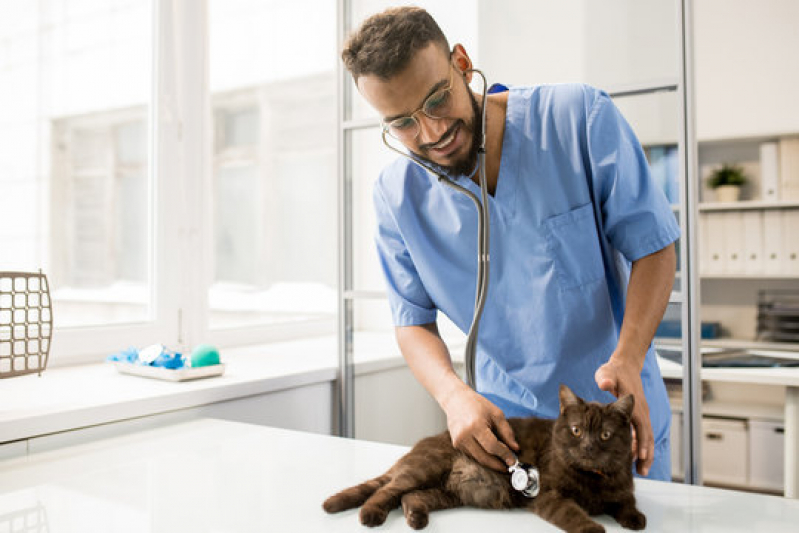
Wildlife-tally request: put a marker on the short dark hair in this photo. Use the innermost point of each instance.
(385, 42)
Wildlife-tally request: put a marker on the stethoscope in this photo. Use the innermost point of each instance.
(523, 477)
(483, 231)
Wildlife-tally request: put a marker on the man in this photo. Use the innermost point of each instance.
(582, 254)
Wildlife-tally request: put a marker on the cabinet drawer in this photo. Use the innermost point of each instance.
(677, 469)
(725, 451)
(766, 454)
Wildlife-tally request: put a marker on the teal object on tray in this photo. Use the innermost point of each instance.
(204, 355)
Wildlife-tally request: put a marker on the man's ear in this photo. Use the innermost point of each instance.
(462, 61)
(567, 398)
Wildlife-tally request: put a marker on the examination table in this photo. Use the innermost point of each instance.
(218, 476)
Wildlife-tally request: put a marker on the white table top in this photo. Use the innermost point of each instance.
(218, 476)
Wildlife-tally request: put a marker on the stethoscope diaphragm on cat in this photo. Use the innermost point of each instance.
(525, 479)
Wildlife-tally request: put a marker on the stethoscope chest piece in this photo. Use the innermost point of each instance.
(525, 479)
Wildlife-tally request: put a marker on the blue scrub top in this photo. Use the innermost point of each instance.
(573, 207)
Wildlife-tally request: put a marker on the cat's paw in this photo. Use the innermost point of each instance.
(372, 516)
(591, 528)
(334, 504)
(632, 519)
(417, 519)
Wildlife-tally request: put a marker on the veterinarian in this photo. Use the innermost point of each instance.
(582, 253)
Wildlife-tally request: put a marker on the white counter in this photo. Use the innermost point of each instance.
(787, 377)
(219, 476)
(67, 398)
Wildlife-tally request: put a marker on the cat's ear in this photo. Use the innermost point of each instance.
(567, 398)
(625, 404)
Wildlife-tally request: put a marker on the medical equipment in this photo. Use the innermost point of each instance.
(483, 231)
(525, 478)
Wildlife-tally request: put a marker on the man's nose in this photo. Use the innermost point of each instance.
(430, 129)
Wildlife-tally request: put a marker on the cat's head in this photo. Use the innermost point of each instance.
(592, 436)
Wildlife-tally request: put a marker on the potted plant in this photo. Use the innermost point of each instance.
(727, 181)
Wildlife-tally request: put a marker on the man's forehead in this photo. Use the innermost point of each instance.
(406, 91)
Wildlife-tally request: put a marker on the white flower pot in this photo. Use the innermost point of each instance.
(728, 193)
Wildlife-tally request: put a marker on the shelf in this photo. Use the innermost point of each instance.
(735, 410)
(747, 344)
(753, 277)
(743, 205)
(750, 276)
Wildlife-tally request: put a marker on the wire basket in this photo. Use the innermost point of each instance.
(26, 323)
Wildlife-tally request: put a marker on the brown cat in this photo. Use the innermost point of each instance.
(584, 458)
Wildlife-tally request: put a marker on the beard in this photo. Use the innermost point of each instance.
(467, 164)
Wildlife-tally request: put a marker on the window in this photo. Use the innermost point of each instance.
(99, 204)
(74, 162)
(153, 223)
(274, 164)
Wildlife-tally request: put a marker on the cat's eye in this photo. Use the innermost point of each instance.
(576, 431)
(605, 435)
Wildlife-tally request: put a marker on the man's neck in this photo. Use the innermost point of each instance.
(495, 132)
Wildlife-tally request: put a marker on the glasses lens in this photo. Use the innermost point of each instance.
(439, 104)
(403, 129)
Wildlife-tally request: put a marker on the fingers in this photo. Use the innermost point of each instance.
(606, 380)
(643, 442)
(505, 432)
(496, 449)
(478, 452)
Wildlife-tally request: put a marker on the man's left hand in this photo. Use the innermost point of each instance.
(621, 378)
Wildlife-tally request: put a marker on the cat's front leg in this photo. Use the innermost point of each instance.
(627, 514)
(564, 513)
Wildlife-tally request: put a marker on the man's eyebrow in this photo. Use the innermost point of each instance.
(430, 93)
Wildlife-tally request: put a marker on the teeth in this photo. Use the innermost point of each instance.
(446, 141)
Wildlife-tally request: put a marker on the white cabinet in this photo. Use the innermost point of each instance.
(736, 452)
(677, 468)
(766, 454)
(725, 451)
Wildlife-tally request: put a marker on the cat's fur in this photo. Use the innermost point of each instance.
(580, 475)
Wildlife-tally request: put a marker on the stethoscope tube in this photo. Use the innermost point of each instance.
(483, 232)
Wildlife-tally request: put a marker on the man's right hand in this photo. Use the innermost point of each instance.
(479, 429)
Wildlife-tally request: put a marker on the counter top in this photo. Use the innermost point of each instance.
(87, 395)
(786, 376)
(212, 475)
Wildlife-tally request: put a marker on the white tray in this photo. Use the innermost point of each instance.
(168, 374)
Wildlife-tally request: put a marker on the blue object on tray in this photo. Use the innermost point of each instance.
(165, 359)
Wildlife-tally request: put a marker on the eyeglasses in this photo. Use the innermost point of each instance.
(438, 105)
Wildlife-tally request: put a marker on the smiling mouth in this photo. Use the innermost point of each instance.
(446, 141)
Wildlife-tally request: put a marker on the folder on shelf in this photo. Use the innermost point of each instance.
(753, 242)
(715, 244)
(704, 245)
(789, 168)
(790, 242)
(769, 172)
(733, 232)
(772, 241)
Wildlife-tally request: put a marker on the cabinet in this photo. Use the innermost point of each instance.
(725, 451)
(736, 452)
(767, 454)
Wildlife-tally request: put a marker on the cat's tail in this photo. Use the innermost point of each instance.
(354, 496)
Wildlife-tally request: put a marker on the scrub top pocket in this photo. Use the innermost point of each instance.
(574, 245)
